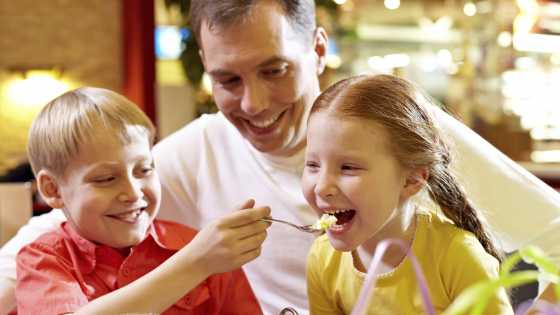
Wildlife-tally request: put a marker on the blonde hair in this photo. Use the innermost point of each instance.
(72, 119)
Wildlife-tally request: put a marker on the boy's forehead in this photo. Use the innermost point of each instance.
(106, 138)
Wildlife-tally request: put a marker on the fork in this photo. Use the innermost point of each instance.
(304, 228)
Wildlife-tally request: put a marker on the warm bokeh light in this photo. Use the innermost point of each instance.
(334, 61)
(469, 9)
(392, 4)
(36, 89)
(504, 39)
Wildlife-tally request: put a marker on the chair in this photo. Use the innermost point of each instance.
(16, 207)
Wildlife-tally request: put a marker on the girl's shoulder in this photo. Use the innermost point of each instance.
(439, 235)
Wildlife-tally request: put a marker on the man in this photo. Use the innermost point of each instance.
(264, 59)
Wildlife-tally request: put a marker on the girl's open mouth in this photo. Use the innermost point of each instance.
(344, 216)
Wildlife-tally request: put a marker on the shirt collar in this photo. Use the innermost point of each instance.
(163, 235)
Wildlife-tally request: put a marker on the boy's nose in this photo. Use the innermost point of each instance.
(131, 192)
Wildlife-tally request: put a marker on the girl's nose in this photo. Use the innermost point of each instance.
(326, 186)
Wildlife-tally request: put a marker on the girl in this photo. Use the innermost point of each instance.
(371, 146)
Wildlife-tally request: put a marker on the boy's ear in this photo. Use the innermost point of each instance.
(320, 42)
(415, 181)
(49, 188)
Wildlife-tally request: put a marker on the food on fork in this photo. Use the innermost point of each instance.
(324, 222)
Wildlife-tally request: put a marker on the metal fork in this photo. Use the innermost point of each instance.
(304, 228)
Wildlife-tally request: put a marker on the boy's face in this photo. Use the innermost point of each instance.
(110, 191)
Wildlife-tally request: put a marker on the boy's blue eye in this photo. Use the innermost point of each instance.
(145, 169)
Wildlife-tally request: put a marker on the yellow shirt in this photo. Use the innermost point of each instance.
(452, 259)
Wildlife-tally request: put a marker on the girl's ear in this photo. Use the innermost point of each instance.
(49, 188)
(415, 181)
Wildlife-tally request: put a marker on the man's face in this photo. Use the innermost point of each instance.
(264, 77)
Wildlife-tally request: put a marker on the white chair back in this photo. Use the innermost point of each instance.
(16, 207)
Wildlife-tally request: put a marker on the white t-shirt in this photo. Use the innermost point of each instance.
(207, 168)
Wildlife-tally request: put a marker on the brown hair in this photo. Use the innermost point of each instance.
(72, 118)
(416, 142)
(225, 13)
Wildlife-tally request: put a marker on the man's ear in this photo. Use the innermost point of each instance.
(320, 42)
(415, 181)
(49, 188)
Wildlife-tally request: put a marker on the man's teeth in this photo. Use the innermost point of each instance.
(265, 123)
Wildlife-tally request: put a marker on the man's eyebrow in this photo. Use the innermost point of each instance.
(270, 61)
(220, 73)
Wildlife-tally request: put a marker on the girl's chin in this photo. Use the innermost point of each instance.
(342, 246)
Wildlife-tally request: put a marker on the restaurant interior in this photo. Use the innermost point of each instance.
(493, 64)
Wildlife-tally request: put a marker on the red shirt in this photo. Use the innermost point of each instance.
(61, 271)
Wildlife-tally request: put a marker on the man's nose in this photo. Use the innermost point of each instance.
(255, 97)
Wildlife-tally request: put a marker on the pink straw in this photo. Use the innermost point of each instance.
(369, 285)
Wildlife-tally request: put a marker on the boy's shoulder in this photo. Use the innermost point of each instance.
(54, 239)
(57, 244)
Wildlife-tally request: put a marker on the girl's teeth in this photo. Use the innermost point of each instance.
(337, 211)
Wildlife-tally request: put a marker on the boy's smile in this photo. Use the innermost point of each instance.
(110, 190)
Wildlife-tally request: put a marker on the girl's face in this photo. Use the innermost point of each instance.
(351, 172)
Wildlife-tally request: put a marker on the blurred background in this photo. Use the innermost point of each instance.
(494, 64)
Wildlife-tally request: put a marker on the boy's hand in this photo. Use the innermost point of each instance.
(231, 241)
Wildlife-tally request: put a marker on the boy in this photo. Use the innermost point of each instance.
(90, 150)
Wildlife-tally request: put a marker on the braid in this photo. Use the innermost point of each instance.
(445, 190)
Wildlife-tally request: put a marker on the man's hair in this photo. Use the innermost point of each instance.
(73, 118)
(224, 13)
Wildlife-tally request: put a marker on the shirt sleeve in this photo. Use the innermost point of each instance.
(45, 283)
(319, 302)
(518, 206)
(466, 263)
(177, 159)
(238, 297)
